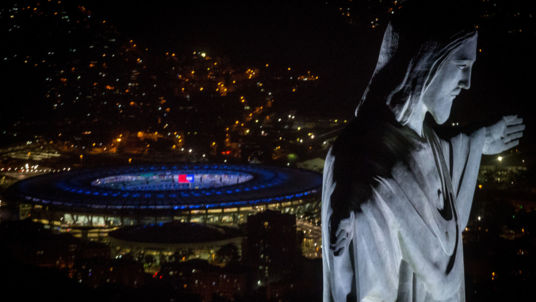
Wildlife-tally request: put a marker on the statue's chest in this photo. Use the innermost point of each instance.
(424, 168)
(433, 179)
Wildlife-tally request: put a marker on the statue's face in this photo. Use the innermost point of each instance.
(453, 76)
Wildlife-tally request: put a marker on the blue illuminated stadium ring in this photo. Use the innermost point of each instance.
(168, 187)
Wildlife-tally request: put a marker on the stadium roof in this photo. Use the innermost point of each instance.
(76, 189)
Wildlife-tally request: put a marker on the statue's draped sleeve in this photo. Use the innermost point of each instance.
(464, 154)
(370, 253)
(338, 272)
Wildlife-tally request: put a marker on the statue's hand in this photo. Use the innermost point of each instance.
(503, 135)
(342, 232)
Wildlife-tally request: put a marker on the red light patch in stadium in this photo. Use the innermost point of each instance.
(186, 178)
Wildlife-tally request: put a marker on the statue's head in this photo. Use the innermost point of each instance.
(453, 75)
(426, 56)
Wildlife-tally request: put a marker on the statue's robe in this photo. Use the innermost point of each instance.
(405, 243)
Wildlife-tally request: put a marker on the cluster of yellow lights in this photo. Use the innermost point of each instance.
(250, 73)
(221, 89)
(308, 77)
(258, 110)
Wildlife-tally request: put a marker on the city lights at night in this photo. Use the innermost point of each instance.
(157, 151)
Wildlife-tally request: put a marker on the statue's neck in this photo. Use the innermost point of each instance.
(416, 119)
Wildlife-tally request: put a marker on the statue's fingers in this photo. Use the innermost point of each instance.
(340, 232)
(336, 250)
(513, 129)
(514, 121)
(344, 228)
(511, 144)
(340, 243)
(511, 137)
(508, 118)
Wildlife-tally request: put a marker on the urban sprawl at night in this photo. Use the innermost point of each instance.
(174, 152)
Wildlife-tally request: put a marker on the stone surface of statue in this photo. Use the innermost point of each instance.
(396, 197)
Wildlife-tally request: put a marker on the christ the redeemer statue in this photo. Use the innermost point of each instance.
(396, 197)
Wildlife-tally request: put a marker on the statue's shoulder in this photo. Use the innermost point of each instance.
(366, 150)
(368, 138)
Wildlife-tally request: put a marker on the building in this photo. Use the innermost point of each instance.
(271, 248)
(158, 244)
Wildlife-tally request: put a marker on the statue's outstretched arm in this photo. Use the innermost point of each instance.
(503, 135)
